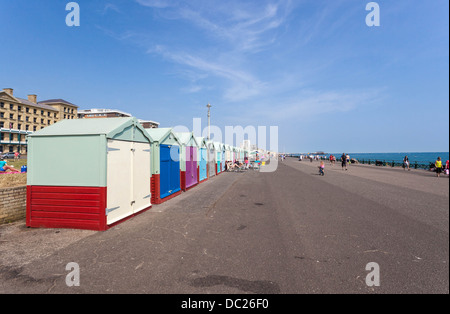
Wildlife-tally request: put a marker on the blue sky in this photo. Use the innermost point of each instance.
(312, 68)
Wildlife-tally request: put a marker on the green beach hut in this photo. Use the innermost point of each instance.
(166, 172)
(88, 173)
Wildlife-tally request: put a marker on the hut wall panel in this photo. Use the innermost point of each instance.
(66, 207)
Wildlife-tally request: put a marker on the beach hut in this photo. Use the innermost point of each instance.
(241, 154)
(223, 157)
(219, 157)
(212, 155)
(88, 173)
(228, 152)
(166, 172)
(202, 157)
(188, 160)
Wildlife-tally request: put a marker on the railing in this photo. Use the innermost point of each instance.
(381, 163)
(396, 163)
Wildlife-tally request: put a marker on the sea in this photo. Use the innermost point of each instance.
(420, 158)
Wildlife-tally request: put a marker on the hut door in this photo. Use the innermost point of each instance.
(203, 174)
(128, 179)
(169, 171)
(190, 171)
(212, 162)
(119, 180)
(141, 177)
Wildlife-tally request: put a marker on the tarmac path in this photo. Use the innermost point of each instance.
(291, 231)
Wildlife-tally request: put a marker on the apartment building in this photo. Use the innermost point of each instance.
(20, 117)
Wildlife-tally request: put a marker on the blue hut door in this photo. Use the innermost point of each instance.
(169, 180)
(203, 174)
(219, 160)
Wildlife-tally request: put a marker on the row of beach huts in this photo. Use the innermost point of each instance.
(95, 173)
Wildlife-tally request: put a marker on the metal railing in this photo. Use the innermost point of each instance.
(396, 163)
(381, 163)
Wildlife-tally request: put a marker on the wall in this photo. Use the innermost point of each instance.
(12, 204)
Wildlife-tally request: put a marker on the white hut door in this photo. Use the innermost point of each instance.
(141, 177)
(119, 180)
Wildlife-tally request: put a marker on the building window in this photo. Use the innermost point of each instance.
(34, 120)
(42, 112)
(2, 124)
(27, 127)
(42, 121)
(34, 128)
(48, 122)
(19, 108)
(34, 111)
(27, 119)
(11, 116)
(19, 118)
(2, 105)
(19, 126)
(11, 106)
(2, 115)
(27, 110)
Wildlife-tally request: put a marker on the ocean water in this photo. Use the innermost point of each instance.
(420, 158)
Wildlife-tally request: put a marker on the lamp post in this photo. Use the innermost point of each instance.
(209, 121)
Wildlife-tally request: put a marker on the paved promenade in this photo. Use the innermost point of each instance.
(291, 231)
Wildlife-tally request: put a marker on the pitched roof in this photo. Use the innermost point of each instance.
(185, 137)
(160, 134)
(56, 101)
(39, 105)
(109, 127)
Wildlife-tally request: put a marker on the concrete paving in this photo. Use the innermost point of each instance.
(291, 231)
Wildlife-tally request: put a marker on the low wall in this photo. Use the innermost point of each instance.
(13, 203)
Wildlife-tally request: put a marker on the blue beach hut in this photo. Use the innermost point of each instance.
(202, 159)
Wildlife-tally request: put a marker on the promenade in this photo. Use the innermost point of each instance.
(291, 231)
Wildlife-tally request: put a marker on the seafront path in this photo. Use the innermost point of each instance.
(291, 231)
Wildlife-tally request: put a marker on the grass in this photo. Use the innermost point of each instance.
(14, 180)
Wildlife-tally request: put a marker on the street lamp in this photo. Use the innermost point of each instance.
(209, 121)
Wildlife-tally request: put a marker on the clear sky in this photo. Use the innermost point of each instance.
(311, 67)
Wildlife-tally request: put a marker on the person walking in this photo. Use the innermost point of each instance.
(438, 166)
(406, 163)
(344, 161)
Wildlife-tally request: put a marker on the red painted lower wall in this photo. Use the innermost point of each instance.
(183, 180)
(155, 188)
(66, 207)
(156, 191)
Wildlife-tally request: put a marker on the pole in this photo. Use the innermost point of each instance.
(209, 121)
